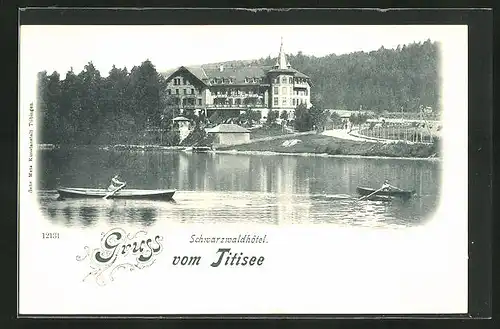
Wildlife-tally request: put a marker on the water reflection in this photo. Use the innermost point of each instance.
(237, 188)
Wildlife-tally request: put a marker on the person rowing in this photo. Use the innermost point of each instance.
(115, 183)
(386, 186)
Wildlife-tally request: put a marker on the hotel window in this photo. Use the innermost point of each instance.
(185, 91)
(283, 90)
(290, 80)
(199, 101)
(177, 91)
(284, 101)
(192, 91)
(305, 92)
(275, 101)
(169, 92)
(276, 90)
(283, 80)
(184, 81)
(294, 102)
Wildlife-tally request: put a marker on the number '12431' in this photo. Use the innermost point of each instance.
(50, 235)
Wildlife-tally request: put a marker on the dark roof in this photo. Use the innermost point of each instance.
(228, 128)
(197, 71)
(282, 70)
(300, 74)
(237, 73)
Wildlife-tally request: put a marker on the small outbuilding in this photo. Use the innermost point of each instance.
(228, 133)
(184, 126)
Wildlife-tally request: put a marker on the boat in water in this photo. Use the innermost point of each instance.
(384, 195)
(130, 194)
(198, 149)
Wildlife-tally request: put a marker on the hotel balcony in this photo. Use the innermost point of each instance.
(300, 85)
(235, 106)
(227, 95)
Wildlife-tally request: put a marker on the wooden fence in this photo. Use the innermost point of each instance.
(419, 134)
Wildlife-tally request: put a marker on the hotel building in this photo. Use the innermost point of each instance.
(233, 90)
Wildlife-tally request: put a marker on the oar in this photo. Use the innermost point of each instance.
(113, 192)
(397, 188)
(369, 195)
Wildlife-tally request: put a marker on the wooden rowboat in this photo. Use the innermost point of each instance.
(405, 195)
(199, 149)
(66, 193)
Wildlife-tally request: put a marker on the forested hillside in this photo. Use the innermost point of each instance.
(86, 108)
(385, 79)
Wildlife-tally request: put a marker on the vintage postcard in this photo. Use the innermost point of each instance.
(263, 169)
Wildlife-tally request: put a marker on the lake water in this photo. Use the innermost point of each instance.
(232, 188)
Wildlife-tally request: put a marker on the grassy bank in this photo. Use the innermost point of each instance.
(336, 146)
(263, 132)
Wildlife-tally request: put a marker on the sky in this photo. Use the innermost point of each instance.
(58, 48)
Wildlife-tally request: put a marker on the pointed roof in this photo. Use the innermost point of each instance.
(238, 74)
(281, 62)
(283, 66)
(196, 71)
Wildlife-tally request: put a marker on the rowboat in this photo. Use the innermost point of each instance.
(200, 149)
(122, 194)
(405, 195)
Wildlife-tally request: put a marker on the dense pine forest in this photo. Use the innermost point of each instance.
(385, 79)
(86, 108)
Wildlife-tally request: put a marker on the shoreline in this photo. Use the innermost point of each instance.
(145, 148)
(324, 155)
